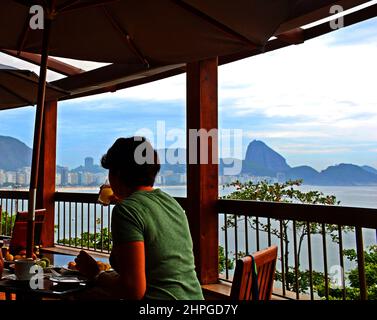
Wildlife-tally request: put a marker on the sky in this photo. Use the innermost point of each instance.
(314, 103)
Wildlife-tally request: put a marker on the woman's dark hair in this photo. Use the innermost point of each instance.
(134, 159)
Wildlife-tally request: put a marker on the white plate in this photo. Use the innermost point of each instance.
(67, 280)
(13, 278)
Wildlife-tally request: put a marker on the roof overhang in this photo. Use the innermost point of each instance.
(120, 76)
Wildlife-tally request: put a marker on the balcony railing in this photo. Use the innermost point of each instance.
(10, 203)
(311, 238)
(319, 233)
(81, 222)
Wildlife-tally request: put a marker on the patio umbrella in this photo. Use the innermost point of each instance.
(145, 31)
(19, 88)
(142, 32)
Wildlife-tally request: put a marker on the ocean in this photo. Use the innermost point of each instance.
(349, 196)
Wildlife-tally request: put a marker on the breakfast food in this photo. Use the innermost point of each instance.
(103, 266)
(42, 264)
(22, 254)
(9, 257)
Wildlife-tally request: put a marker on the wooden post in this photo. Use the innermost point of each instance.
(38, 127)
(202, 179)
(47, 172)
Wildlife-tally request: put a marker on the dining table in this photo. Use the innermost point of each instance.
(58, 282)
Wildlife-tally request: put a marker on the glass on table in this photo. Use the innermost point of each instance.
(105, 194)
(5, 247)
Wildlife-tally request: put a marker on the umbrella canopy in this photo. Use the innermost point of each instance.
(147, 32)
(20, 88)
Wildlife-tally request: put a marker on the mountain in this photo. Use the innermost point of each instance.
(261, 160)
(369, 169)
(347, 174)
(14, 154)
(308, 174)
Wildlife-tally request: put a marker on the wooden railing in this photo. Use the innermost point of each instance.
(83, 223)
(254, 225)
(311, 238)
(10, 203)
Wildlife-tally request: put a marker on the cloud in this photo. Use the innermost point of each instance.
(312, 80)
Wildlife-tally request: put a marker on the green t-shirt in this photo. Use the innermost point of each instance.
(157, 219)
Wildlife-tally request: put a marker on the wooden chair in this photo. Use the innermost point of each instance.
(244, 286)
(18, 239)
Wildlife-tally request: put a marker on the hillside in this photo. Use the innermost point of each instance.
(261, 160)
(14, 154)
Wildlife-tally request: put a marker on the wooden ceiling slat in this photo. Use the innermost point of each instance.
(53, 64)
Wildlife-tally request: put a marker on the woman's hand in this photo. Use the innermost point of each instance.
(86, 265)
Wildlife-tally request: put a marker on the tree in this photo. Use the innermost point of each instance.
(286, 192)
(6, 223)
(223, 262)
(353, 289)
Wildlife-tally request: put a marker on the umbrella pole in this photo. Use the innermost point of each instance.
(37, 138)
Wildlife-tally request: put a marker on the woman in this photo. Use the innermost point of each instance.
(152, 247)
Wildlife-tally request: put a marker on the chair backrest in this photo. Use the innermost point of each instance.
(19, 234)
(243, 280)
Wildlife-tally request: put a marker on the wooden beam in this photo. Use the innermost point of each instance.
(339, 215)
(295, 36)
(128, 83)
(52, 64)
(47, 172)
(349, 20)
(316, 15)
(307, 34)
(202, 179)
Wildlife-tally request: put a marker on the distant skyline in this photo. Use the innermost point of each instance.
(314, 103)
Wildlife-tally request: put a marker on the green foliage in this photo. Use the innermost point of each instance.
(370, 263)
(287, 192)
(303, 279)
(370, 257)
(101, 239)
(278, 192)
(7, 223)
(223, 262)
